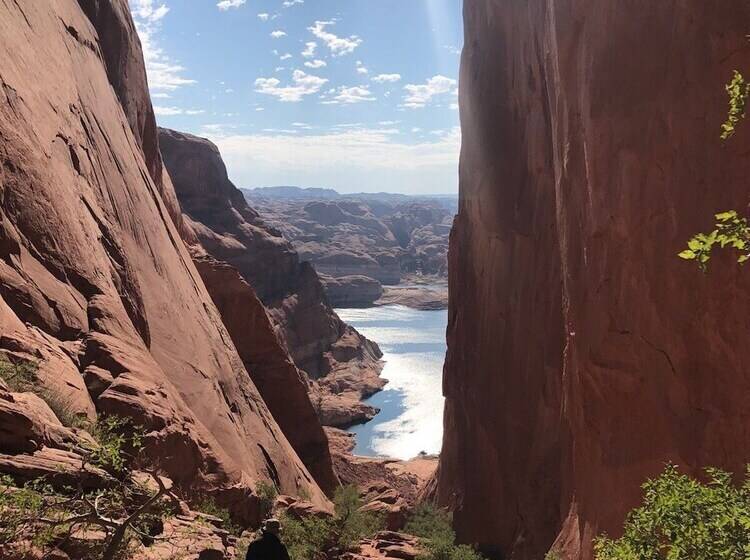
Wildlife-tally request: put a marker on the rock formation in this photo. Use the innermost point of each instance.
(96, 284)
(582, 353)
(384, 237)
(229, 230)
(352, 291)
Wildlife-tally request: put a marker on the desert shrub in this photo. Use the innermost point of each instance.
(267, 494)
(207, 504)
(307, 539)
(124, 510)
(350, 524)
(434, 528)
(22, 378)
(315, 538)
(682, 518)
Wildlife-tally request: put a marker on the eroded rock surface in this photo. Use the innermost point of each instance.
(582, 353)
(93, 269)
(380, 236)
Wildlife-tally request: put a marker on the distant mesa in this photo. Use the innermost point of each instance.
(361, 242)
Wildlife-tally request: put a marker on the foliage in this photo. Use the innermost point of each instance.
(434, 528)
(308, 538)
(22, 378)
(315, 538)
(737, 90)
(208, 505)
(684, 519)
(118, 443)
(351, 524)
(125, 510)
(731, 231)
(267, 494)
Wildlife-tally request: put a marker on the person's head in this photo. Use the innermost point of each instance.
(272, 526)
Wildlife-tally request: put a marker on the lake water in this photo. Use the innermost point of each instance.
(413, 344)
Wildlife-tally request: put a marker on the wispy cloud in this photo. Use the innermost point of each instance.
(172, 111)
(419, 95)
(278, 34)
(309, 51)
(163, 73)
(355, 94)
(386, 78)
(317, 63)
(339, 46)
(303, 84)
(225, 5)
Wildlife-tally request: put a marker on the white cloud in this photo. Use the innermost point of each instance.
(224, 5)
(349, 158)
(263, 16)
(419, 95)
(317, 63)
(356, 94)
(286, 56)
(309, 51)
(338, 46)
(386, 78)
(278, 34)
(172, 111)
(303, 84)
(361, 69)
(290, 3)
(163, 73)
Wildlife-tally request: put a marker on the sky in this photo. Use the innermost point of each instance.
(356, 95)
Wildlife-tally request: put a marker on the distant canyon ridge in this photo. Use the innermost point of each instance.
(368, 248)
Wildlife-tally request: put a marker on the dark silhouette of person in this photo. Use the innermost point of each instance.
(268, 546)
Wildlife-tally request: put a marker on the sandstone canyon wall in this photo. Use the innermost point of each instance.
(344, 363)
(582, 354)
(96, 284)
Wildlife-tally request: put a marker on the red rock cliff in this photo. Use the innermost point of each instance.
(95, 282)
(583, 354)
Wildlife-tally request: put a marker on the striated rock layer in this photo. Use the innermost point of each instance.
(582, 353)
(96, 284)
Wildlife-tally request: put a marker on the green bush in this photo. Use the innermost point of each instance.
(124, 510)
(314, 538)
(267, 494)
(684, 519)
(22, 378)
(434, 528)
(308, 538)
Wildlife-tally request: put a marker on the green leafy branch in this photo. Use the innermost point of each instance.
(732, 230)
(738, 91)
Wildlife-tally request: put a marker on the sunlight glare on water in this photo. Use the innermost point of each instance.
(413, 344)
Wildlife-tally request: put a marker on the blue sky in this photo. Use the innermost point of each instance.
(357, 95)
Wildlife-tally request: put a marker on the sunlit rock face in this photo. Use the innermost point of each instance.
(95, 282)
(583, 354)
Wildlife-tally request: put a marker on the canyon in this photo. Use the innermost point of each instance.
(139, 282)
(582, 354)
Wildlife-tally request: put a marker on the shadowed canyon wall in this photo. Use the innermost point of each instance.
(582, 353)
(96, 284)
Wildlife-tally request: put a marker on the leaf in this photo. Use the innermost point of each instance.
(726, 216)
(695, 245)
(687, 254)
